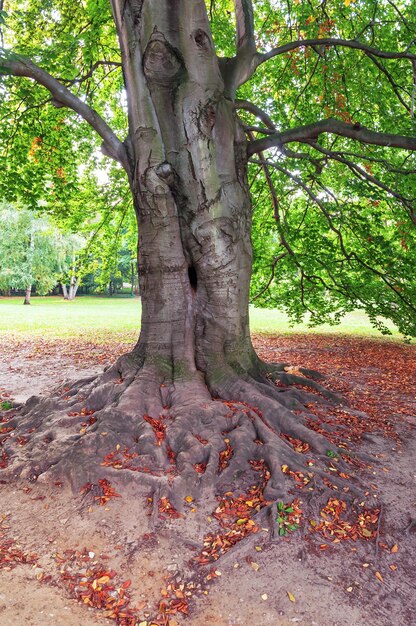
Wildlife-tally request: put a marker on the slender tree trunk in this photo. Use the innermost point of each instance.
(64, 291)
(73, 287)
(28, 294)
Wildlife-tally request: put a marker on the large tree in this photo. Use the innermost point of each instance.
(186, 159)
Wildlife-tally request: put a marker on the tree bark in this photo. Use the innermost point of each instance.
(189, 184)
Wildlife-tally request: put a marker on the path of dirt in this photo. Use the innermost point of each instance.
(348, 584)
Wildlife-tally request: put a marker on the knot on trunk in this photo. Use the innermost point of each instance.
(166, 172)
(202, 40)
(162, 62)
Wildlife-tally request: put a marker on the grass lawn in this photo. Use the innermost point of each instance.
(99, 318)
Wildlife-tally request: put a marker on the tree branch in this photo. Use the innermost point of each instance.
(257, 111)
(389, 77)
(245, 24)
(269, 282)
(90, 72)
(363, 175)
(310, 133)
(348, 255)
(237, 70)
(16, 65)
(332, 41)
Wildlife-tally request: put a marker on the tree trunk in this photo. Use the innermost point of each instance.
(189, 185)
(64, 291)
(73, 287)
(28, 294)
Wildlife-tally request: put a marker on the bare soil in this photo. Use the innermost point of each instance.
(279, 582)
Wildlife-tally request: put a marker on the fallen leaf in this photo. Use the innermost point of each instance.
(395, 548)
(255, 566)
(291, 596)
(103, 580)
(189, 499)
(379, 576)
(264, 596)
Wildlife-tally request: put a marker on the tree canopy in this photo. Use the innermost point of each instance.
(328, 105)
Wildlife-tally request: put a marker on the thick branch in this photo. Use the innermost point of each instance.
(17, 65)
(237, 70)
(332, 41)
(310, 133)
(245, 24)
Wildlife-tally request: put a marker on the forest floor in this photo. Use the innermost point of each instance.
(60, 553)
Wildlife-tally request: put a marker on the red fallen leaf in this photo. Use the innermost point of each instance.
(86, 488)
(108, 492)
(87, 412)
(201, 440)
(126, 584)
(159, 428)
(171, 455)
(4, 460)
(166, 508)
(225, 456)
(298, 445)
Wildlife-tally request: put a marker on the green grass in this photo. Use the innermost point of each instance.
(101, 317)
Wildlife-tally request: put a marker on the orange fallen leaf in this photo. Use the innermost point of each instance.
(379, 576)
(103, 579)
(395, 548)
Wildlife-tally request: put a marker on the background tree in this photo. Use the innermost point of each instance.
(32, 252)
(311, 74)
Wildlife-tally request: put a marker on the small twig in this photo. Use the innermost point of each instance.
(378, 533)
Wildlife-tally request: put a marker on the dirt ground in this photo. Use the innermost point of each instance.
(48, 534)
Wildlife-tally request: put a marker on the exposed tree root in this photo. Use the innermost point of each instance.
(182, 438)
